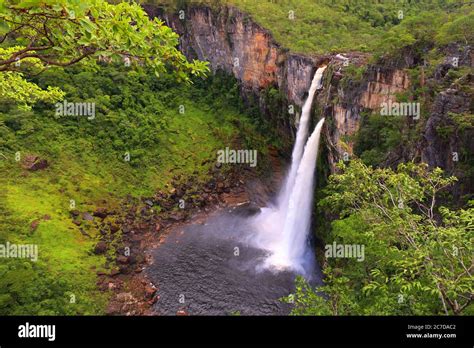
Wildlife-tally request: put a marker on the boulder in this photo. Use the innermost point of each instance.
(176, 217)
(149, 203)
(33, 163)
(75, 212)
(101, 213)
(149, 292)
(122, 259)
(114, 228)
(100, 248)
(87, 217)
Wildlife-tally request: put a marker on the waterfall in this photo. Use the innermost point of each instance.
(283, 229)
(293, 247)
(301, 136)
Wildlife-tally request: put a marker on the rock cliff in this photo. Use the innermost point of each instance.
(231, 41)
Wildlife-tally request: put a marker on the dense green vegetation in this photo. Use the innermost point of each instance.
(148, 128)
(136, 113)
(145, 130)
(324, 26)
(38, 34)
(417, 256)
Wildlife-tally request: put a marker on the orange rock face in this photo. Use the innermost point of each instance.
(230, 41)
(384, 88)
(381, 88)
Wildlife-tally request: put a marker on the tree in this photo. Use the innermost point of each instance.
(37, 34)
(418, 256)
(460, 30)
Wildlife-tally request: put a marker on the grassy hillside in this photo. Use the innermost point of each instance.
(136, 113)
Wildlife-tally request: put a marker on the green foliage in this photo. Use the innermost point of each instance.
(64, 266)
(377, 135)
(354, 73)
(343, 25)
(418, 258)
(462, 121)
(458, 30)
(135, 113)
(14, 88)
(38, 34)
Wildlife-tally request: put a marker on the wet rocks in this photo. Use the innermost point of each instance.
(150, 291)
(176, 217)
(142, 222)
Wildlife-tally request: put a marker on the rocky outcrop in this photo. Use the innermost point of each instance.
(230, 41)
(34, 163)
(439, 150)
(378, 85)
(447, 144)
(382, 86)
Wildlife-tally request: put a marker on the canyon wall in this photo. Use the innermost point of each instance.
(378, 85)
(231, 41)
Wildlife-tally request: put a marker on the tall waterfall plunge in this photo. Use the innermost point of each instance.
(283, 229)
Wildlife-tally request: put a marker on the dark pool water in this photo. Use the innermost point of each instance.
(206, 269)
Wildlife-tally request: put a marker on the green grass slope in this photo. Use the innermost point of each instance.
(136, 113)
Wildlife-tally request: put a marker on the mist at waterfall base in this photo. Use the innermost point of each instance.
(244, 260)
(283, 229)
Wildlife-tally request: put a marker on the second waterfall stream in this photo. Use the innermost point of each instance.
(283, 229)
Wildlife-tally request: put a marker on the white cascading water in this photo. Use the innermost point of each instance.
(283, 229)
(301, 136)
(293, 248)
